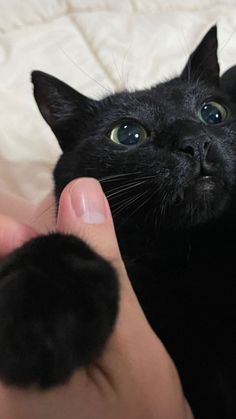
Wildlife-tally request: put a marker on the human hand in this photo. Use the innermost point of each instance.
(134, 378)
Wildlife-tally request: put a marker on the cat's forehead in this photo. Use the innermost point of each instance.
(172, 98)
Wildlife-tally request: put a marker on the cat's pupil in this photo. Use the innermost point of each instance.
(129, 134)
(211, 114)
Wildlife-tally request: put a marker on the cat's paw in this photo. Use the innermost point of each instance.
(58, 305)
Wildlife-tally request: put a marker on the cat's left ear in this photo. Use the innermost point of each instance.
(203, 62)
(61, 106)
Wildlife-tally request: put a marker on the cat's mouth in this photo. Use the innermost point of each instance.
(203, 186)
(206, 183)
(202, 200)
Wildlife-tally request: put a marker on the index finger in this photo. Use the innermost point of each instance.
(13, 234)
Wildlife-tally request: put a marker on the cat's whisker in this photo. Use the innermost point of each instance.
(226, 43)
(132, 182)
(154, 214)
(117, 176)
(150, 214)
(162, 208)
(120, 191)
(120, 187)
(110, 91)
(125, 77)
(120, 177)
(117, 70)
(149, 198)
(156, 209)
(156, 219)
(126, 203)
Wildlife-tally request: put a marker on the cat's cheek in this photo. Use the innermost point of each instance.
(58, 306)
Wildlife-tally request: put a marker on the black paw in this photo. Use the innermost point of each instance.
(58, 305)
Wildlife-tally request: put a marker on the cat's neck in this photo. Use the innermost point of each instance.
(143, 241)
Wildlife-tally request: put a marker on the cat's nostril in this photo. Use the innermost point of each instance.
(188, 149)
(195, 147)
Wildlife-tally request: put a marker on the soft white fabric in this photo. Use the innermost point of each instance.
(97, 46)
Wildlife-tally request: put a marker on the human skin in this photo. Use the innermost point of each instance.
(134, 378)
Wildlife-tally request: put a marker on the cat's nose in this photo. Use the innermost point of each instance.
(195, 147)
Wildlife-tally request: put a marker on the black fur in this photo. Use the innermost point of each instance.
(173, 201)
(58, 304)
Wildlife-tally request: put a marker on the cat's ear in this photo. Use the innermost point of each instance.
(203, 62)
(59, 104)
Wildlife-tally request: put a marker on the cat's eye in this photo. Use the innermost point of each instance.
(128, 133)
(212, 113)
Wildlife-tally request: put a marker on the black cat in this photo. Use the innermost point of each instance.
(166, 158)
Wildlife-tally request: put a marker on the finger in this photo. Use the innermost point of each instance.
(13, 234)
(84, 211)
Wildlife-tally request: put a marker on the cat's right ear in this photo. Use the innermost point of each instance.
(203, 62)
(60, 105)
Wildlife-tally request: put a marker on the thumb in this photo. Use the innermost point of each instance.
(84, 212)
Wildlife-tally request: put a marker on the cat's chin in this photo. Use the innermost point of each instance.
(201, 203)
(204, 188)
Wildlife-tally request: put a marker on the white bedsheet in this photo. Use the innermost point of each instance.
(97, 46)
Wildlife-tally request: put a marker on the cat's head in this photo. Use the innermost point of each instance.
(167, 153)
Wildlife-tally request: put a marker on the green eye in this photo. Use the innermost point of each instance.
(128, 133)
(212, 113)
